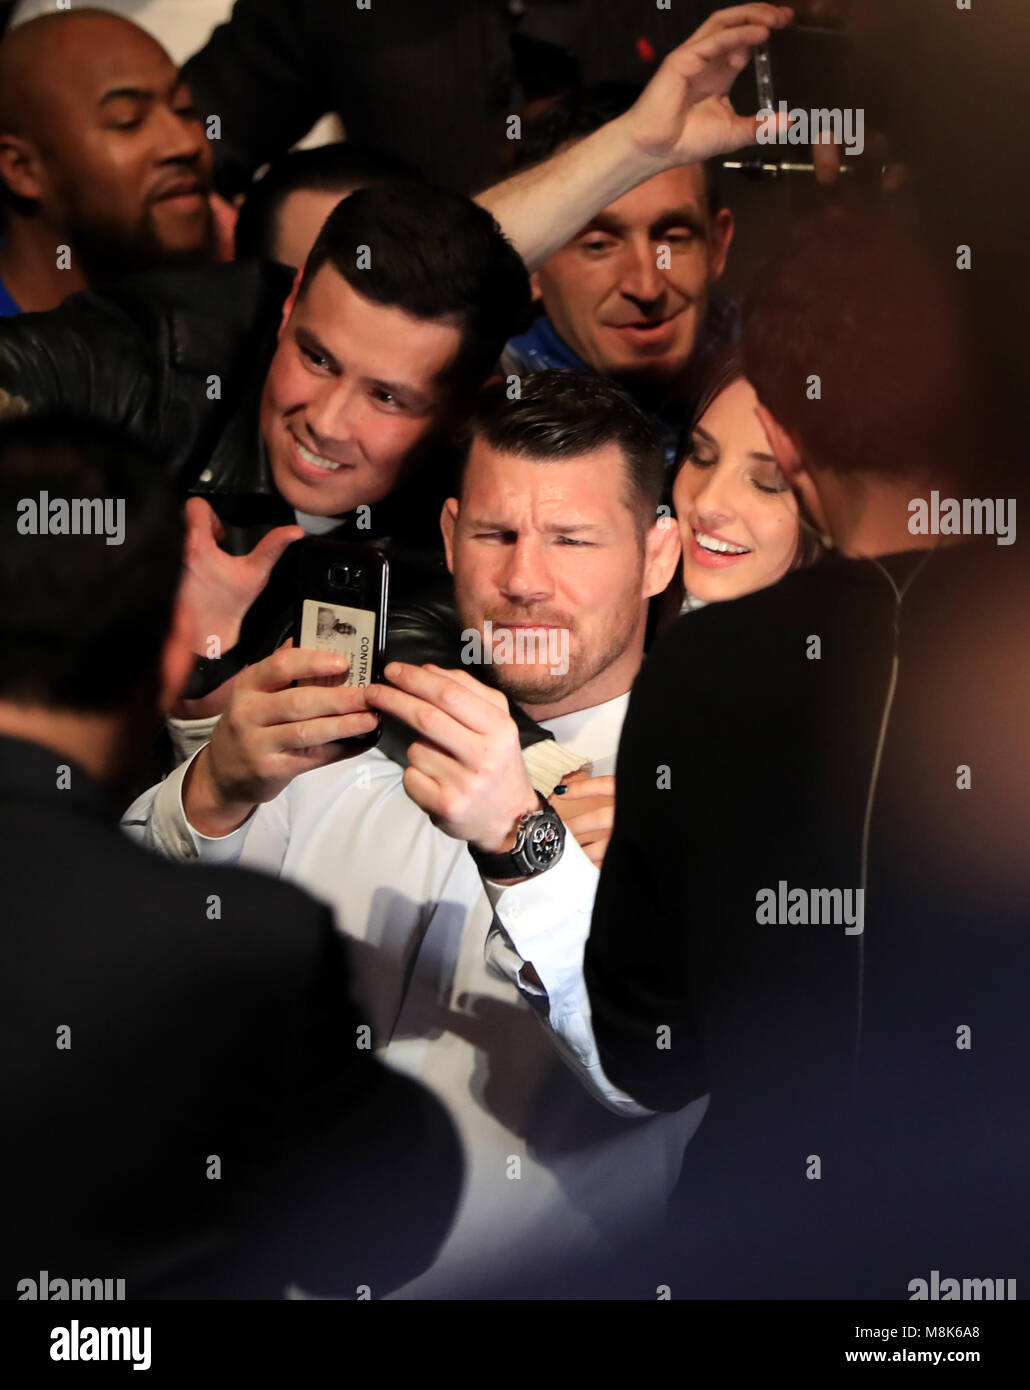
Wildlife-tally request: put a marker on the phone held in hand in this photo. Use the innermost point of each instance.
(763, 78)
(341, 608)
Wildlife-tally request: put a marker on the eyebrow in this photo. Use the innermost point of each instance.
(675, 217)
(312, 341)
(552, 528)
(133, 93)
(752, 453)
(142, 93)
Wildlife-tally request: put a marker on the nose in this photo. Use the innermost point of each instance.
(714, 500)
(180, 139)
(329, 412)
(640, 278)
(525, 577)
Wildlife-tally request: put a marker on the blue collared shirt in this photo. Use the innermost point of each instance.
(540, 348)
(8, 308)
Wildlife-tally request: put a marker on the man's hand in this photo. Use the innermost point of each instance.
(218, 588)
(683, 116)
(587, 807)
(466, 770)
(270, 733)
(684, 113)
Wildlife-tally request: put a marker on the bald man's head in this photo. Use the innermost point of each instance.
(100, 147)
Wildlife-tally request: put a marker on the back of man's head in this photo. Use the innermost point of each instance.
(324, 175)
(436, 255)
(89, 565)
(580, 112)
(853, 341)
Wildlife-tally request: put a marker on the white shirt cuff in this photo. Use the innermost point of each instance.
(544, 922)
(177, 838)
(547, 917)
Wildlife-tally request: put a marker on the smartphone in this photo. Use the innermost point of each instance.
(342, 591)
(763, 78)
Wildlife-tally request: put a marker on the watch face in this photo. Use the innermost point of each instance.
(545, 840)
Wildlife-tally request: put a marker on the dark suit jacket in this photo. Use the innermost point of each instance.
(207, 1018)
(746, 761)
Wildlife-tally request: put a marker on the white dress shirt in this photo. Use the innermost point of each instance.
(438, 958)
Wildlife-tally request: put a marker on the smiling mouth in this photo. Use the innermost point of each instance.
(712, 545)
(317, 460)
(183, 190)
(647, 328)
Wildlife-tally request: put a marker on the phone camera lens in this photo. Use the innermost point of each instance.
(339, 576)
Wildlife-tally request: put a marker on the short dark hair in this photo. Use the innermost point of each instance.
(579, 113)
(562, 415)
(82, 623)
(855, 301)
(340, 167)
(436, 255)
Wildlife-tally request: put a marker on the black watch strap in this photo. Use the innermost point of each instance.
(539, 845)
(210, 672)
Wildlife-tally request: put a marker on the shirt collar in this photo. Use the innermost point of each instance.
(544, 349)
(316, 525)
(593, 732)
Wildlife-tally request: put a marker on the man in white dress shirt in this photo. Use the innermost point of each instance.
(463, 930)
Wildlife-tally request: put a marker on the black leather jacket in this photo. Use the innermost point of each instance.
(178, 358)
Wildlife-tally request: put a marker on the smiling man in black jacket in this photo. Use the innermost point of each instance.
(291, 405)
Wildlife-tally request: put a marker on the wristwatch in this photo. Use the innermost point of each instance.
(539, 844)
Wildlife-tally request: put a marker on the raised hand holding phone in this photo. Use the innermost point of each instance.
(277, 725)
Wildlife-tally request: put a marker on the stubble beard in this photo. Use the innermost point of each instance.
(536, 685)
(107, 251)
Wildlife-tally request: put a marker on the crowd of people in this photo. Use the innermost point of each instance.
(654, 916)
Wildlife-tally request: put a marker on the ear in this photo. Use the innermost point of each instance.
(291, 300)
(792, 466)
(177, 657)
(534, 285)
(661, 555)
(723, 227)
(448, 521)
(20, 167)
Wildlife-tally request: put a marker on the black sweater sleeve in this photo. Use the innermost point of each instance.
(257, 74)
(643, 1018)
